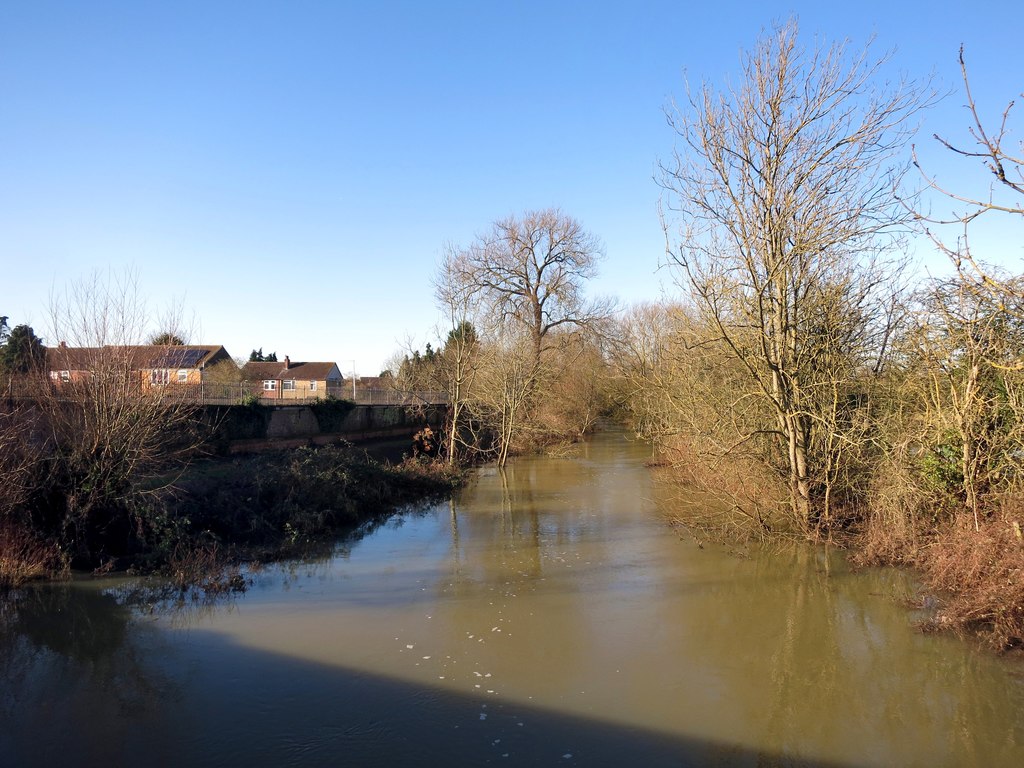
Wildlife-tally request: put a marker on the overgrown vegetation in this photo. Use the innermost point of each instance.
(273, 504)
(215, 512)
(797, 385)
(95, 463)
(330, 413)
(523, 364)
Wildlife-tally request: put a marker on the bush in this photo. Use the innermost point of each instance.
(330, 413)
(283, 499)
(24, 556)
(981, 575)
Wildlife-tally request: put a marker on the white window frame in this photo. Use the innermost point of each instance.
(159, 377)
(270, 385)
(182, 376)
(288, 385)
(312, 386)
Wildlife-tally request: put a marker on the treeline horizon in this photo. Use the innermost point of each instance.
(803, 382)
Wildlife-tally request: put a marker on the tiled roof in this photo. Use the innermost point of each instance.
(64, 358)
(296, 371)
(260, 371)
(73, 358)
(373, 382)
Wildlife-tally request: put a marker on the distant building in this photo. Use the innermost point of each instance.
(294, 381)
(150, 365)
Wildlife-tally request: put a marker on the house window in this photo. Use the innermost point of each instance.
(60, 375)
(159, 376)
(270, 385)
(182, 376)
(312, 386)
(288, 385)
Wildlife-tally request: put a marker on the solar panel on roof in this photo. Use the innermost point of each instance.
(180, 358)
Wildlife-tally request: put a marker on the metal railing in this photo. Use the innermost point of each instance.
(232, 393)
(397, 397)
(228, 394)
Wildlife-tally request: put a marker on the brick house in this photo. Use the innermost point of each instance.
(151, 365)
(294, 381)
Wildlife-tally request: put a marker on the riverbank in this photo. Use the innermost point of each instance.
(975, 574)
(546, 610)
(972, 574)
(223, 511)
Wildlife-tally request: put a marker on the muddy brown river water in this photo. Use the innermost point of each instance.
(546, 616)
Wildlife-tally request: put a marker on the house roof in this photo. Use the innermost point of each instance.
(372, 382)
(260, 371)
(65, 358)
(297, 371)
(72, 358)
(185, 356)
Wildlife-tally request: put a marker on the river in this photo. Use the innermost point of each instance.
(548, 615)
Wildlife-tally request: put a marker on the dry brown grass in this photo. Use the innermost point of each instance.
(732, 498)
(205, 569)
(894, 529)
(981, 576)
(24, 557)
(976, 575)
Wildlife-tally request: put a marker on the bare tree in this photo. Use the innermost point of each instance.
(521, 285)
(1004, 195)
(114, 436)
(969, 334)
(460, 357)
(506, 379)
(783, 191)
(969, 347)
(530, 271)
(19, 457)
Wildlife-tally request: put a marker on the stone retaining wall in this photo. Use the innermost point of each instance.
(292, 426)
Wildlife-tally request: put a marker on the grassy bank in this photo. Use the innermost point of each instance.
(223, 511)
(972, 572)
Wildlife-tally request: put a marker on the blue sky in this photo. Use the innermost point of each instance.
(290, 171)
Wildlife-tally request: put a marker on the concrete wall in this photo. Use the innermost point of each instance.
(297, 425)
(292, 422)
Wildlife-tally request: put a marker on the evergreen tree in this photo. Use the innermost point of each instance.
(22, 350)
(257, 356)
(167, 339)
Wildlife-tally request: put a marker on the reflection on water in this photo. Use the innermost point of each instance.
(546, 615)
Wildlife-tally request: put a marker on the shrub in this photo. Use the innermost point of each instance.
(330, 413)
(24, 556)
(981, 575)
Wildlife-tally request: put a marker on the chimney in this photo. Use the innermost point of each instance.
(287, 363)
(63, 345)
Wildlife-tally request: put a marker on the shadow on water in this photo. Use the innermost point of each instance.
(112, 692)
(602, 638)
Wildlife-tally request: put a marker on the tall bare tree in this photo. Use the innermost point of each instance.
(1002, 197)
(970, 330)
(113, 436)
(530, 271)
(782, 188)
(459, 361)
(521, 284)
